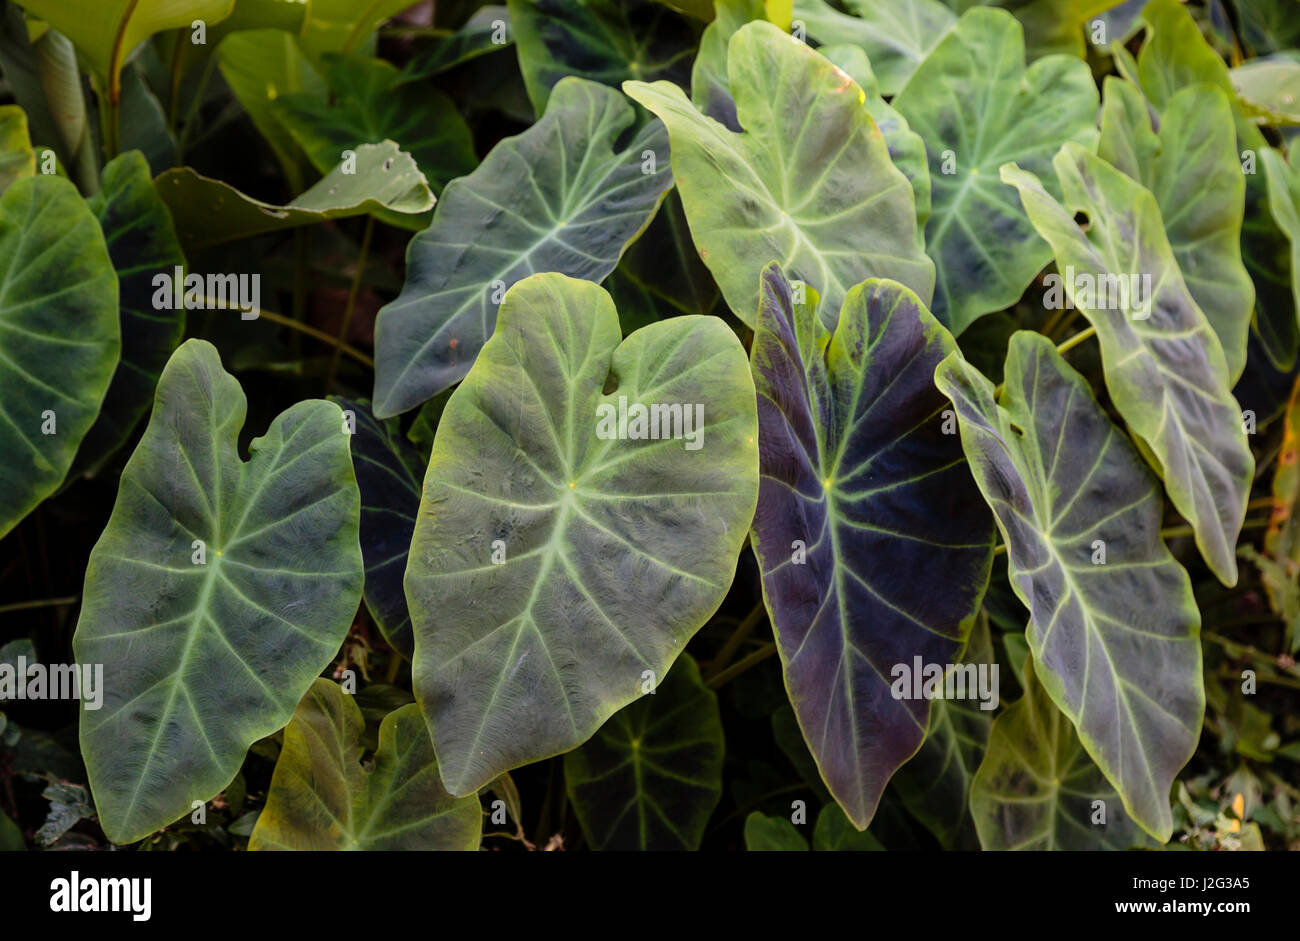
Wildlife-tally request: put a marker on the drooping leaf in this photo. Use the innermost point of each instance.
(555, 562)
(144, 123)
(17, 159)
(650, 778)
(1165, 369)
(106, 32)
(976, 106)
(809, 182)
(142, 244)
(1191, 167)
(367, 105)
(219, 589)
(772, 834)
(487, 30)
(389, 471)
(834, 832)
(321, 798)
(895, 34)
(934, 785)
(710, 87)
(1037, 789)
(858, 485)
(906, 148)
(606, 41)
(59, 337)
(557, 197)
(209, 212)
(1113, 624)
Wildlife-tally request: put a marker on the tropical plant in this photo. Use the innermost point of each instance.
(796, 425)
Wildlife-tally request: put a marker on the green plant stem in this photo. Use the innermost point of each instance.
(1080, 337)
(742, 631)
(40, 603)
(733, 671)
(352, 301)
(307, 329)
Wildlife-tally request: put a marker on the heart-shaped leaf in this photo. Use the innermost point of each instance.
(558, 197)
(809, 182)
(567, 547)
(858, 485)
(650, 778)
(217, 592)
(977, 106)
(58, 322)
(896, 35)
(142, 244)
(322, 799)
(389, 471)
(1164, 366)
(1036, 788)
(606, 41)
(1191, 167)
(1113, 623)
(367, 105)
(209, 212)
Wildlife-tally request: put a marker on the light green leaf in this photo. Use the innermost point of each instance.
(1164, 366)
(1113, 623)
(615, 550)
(650, 778)
(321, 798)
(106, 32)
(142, 244)
(209, 212)
(977, 107)
(17, 160)
(344, 25)
(808, 183)
(836, 833)
(1270, 87)
(1036, 788)
(1283, 179)
(895, 34)
(59, 337)
(368, 106)
(218, 591)
(772, 834)
(1191, 167)
(606, 41)
(558, 197)
(710, 88)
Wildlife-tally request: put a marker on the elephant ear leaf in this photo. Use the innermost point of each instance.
(142, 244)
(321, 798)
(571, 540)
(808, 182)
(558, 197)
(17, 159)
(1114, 628)
(1190, 165)
(650, 778)
(858, 483)
(977, 106)
(218, 591)
(58, 321)
(1164, 365)
(1037, 789)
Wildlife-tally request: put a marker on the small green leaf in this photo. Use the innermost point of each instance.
(834, 832)
(219, 589)
(321, 798)
(17, 159)
(650, 778)
(559, 565)
(772, 834)
(209, 212)
(1036, 788)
